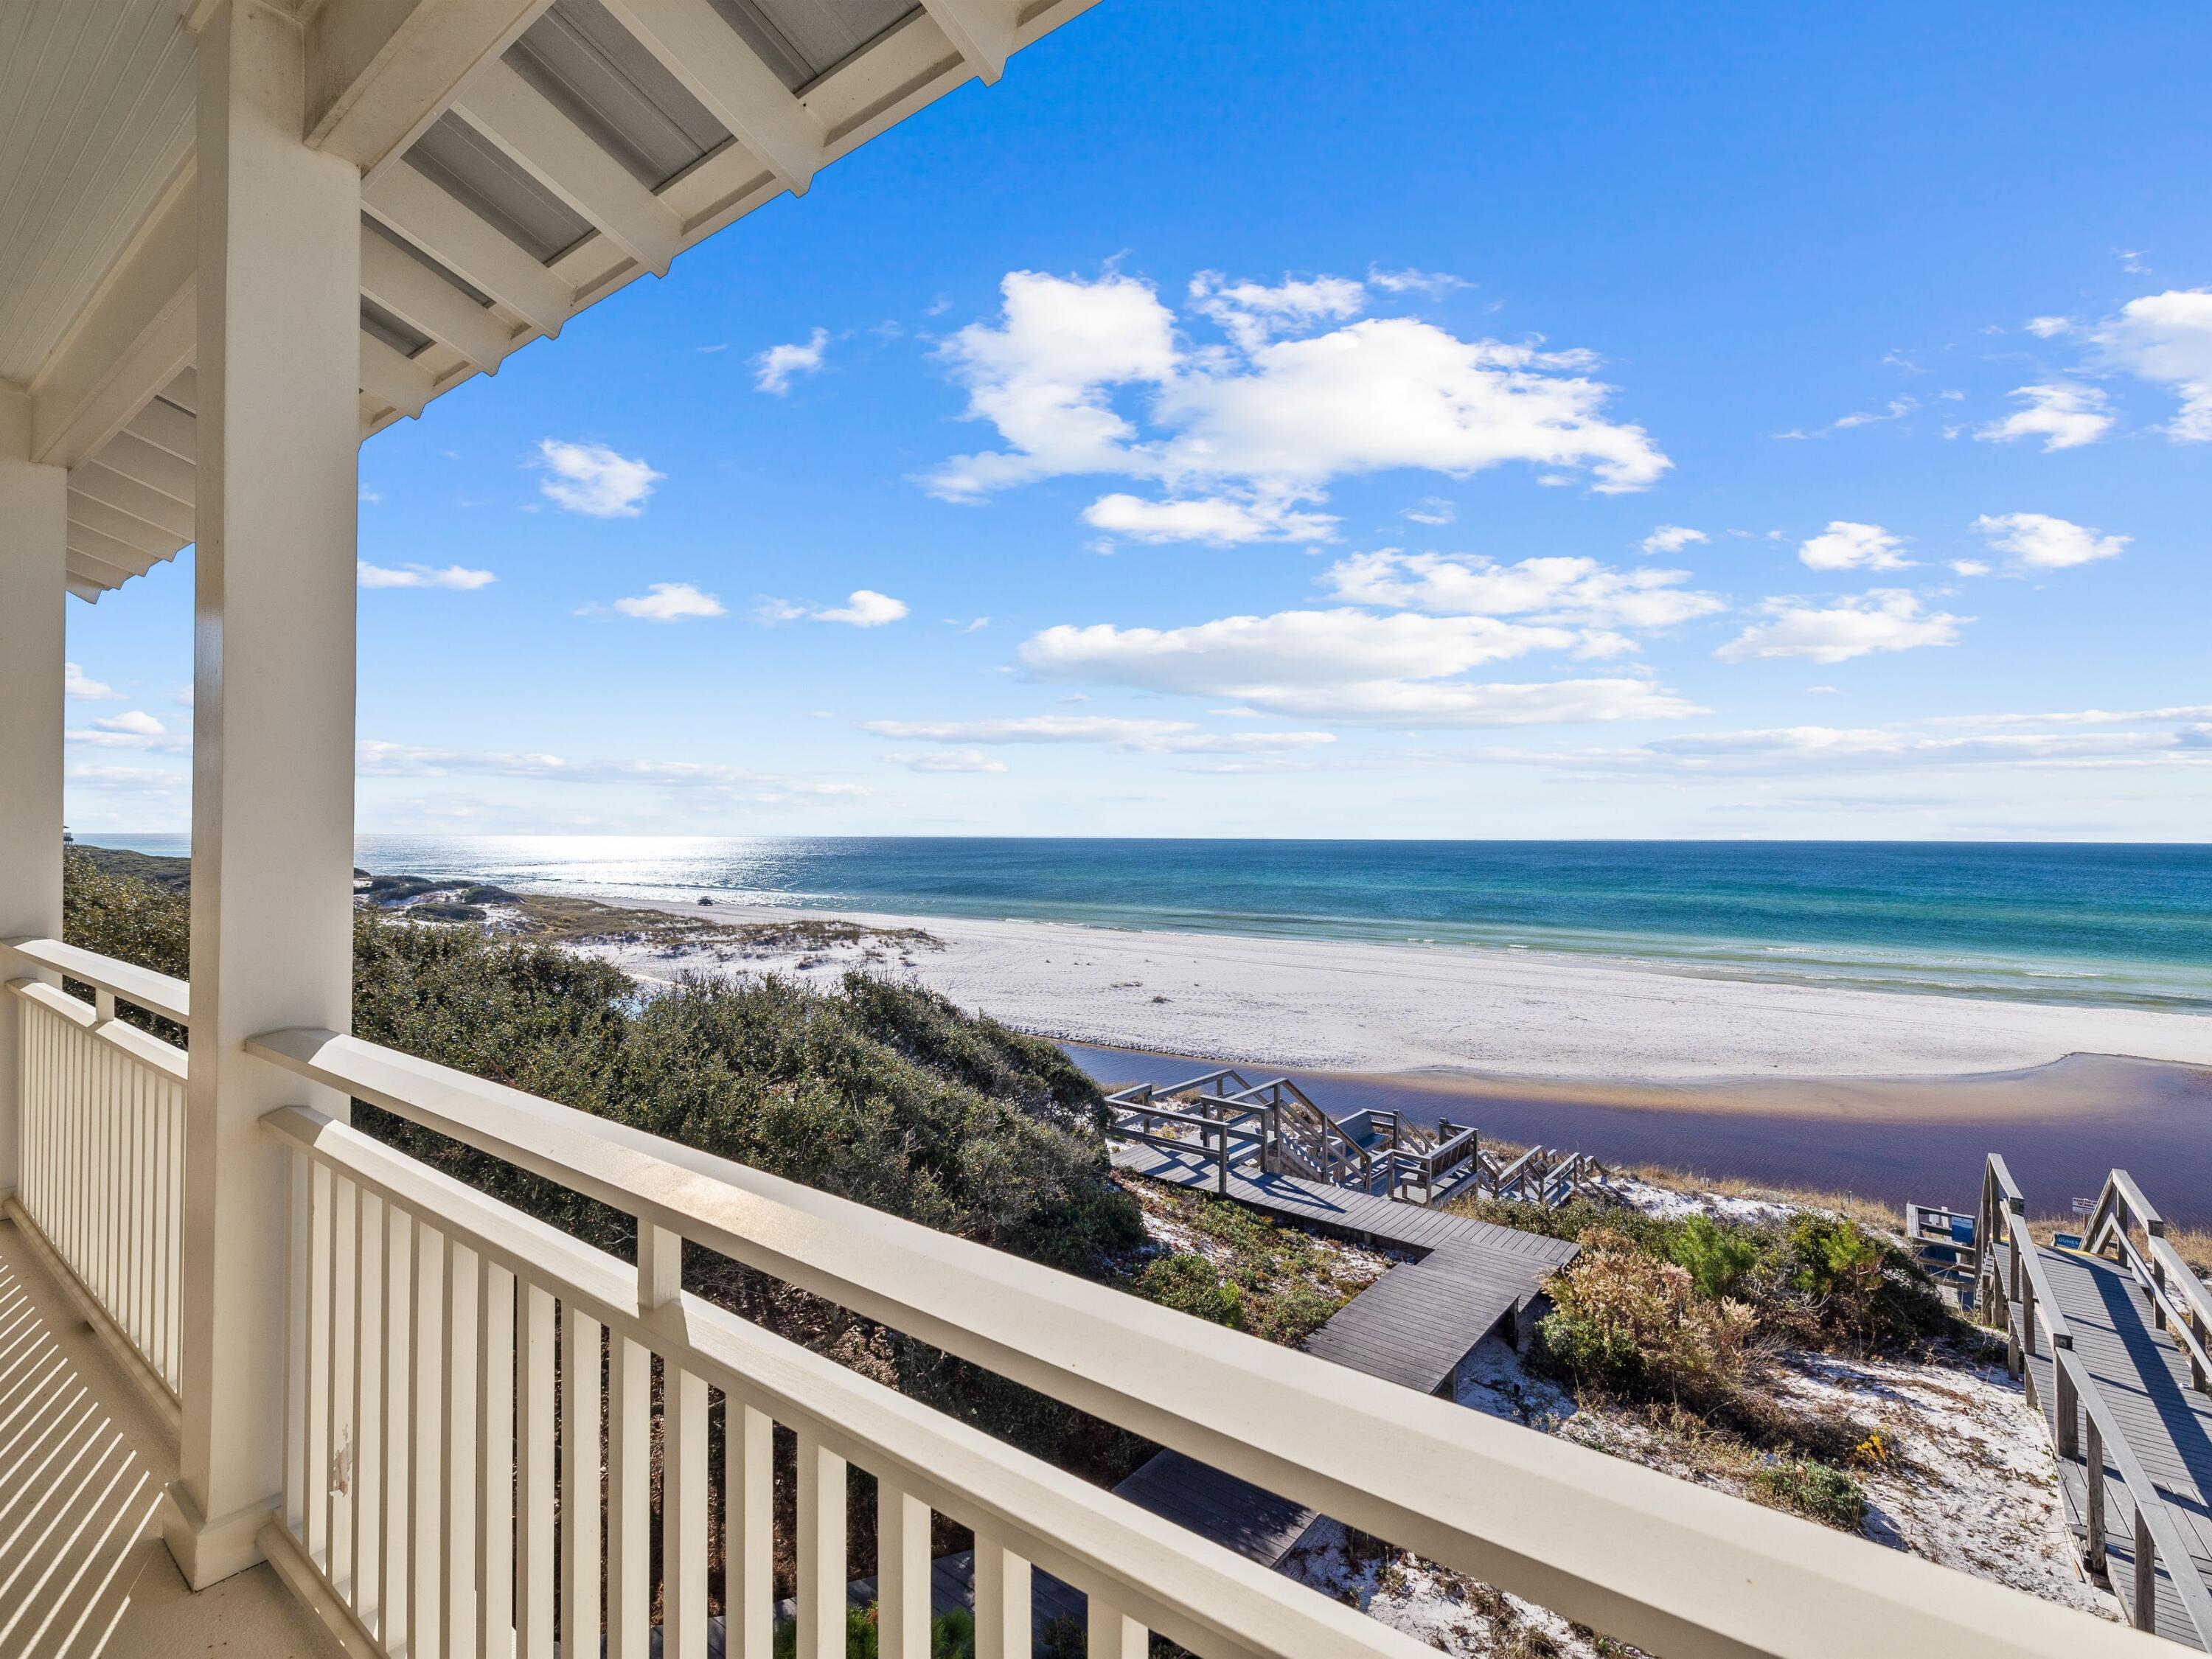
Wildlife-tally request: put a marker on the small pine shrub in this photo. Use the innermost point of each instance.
(1815, 1490)
(1718, 1260)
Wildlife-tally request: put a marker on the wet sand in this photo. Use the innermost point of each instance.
(2060, 1127)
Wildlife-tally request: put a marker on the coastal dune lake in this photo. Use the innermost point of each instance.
(2060, 1128)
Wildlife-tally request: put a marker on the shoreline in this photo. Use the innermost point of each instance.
(1457, 1015)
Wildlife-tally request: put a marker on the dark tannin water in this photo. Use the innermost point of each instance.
(2060, 1128)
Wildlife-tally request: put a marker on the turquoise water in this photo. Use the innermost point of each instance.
(2096, 924)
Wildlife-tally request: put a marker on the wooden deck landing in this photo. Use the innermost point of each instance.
(1340, 1211)
(2146, 1378)
(1412, 1326)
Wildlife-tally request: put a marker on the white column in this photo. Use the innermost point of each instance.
(272, 754)
(34, 513)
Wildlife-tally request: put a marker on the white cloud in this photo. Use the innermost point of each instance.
(1152, 737)
(1844, 546)
(2064, 414)
(1392, 392)
(1430, 284)
(375, 757)
(1042, 375)
(1971, 567)
(948, 760)
(2049, 328)
(421, 576)
(1345, 665)
(864, 608)
(1266, 419)
(137, 723)
(775, 368)
(1884, 619)
(1219, 521)
(666, 602)
(2166, 338)
(1251, 312)
(590, 478)
(1942, 744)
(75, 682)
(1570, 592)
(1670, 538)
(1429, 509)
(2038, 540)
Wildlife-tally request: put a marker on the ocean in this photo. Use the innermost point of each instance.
(2094, 924)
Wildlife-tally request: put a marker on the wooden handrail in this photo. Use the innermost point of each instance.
(2003, 1219)
(2153, 1521)
(1673, 1567)
(2181, 1301)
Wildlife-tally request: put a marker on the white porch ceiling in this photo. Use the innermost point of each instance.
(565, 147)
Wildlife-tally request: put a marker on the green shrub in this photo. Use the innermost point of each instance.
(1628, 1322)
(1817, 1491)
(1189, 1284)
(1717, 1260)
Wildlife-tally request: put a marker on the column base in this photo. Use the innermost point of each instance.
(208, 1552)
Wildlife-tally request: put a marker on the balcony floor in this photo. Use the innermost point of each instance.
(83, 1466)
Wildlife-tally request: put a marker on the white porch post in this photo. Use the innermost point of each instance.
(34, 513)
(272, 756)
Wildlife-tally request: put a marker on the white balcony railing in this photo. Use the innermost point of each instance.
(483, 1416)
(102, 1153)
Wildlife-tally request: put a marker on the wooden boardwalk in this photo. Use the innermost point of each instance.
(1412, 1326)
(1357, 1216)
(2145, 1376)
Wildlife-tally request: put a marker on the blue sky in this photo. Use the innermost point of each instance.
(1520, 420)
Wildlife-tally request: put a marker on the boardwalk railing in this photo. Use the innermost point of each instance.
(2016, 1290)
(101, 1153)
(1275, 1129)
(2179, 1301)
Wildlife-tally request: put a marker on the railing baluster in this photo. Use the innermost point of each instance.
(1002, 1602)
(315, 1464)
(535, 1495)
(902, 1571)
(459, 1474)
(2093, 1503)
(821, 1549)
(748, 1529)
(495, 1463)
(2145, 1615)
(395, 1514)
(629, 1452)
(334, 1473)
(426, 1408)
(1113, 1633)
(299, 1176)
(682, 1514)
(365, 1464)
(582, 1361)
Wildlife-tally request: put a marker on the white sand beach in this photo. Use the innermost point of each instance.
(1361, 1007)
